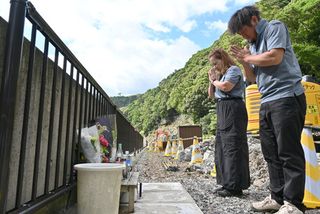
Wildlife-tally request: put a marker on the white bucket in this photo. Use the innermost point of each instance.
(98, 187)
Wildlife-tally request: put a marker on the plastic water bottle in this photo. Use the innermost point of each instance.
(125, 170)
(128, 161)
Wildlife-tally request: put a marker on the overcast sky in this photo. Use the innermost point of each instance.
(129, 46)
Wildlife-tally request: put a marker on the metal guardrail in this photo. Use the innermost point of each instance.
(82, 101)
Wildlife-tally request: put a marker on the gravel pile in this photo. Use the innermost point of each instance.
(200, 184)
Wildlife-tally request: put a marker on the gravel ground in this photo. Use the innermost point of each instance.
(200, 184)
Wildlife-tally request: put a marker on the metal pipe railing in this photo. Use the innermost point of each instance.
(40, 119)
(25, 126)
(61, 116)
(65, 167)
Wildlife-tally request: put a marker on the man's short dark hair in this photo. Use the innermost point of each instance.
(241, 18)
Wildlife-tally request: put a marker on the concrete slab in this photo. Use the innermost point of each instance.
(168, 196)
(161, 198)
(165, 198)
(166, 208)
(161, 187)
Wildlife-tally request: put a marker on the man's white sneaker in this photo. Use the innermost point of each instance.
(289, 208)
(267, 205)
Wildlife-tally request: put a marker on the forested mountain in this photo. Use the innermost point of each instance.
(185, 90)
(123, 101)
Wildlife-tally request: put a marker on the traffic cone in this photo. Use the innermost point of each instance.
(160, 145)
(174, 148)
(179, 150)
(167, 153)
(156, 147)
(213, 172)
(150, 146)
(312, 185)
(196, 152)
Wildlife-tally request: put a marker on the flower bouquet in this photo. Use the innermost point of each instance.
(90, 145)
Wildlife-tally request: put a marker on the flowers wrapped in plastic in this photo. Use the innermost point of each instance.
(96, 141)
(90, 144)
(104, 143)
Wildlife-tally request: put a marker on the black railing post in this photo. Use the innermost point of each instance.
(13, 52)
(25, 126)
(40, 120)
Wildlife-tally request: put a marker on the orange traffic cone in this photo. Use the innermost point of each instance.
(312, 186)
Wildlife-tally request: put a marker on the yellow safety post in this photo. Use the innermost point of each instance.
(253, 106)
(196, 152)
(312, 91)
(312, 186)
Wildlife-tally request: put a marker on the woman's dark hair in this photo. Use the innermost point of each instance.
(241, 18)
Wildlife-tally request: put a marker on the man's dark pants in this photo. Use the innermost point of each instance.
(281, 124)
